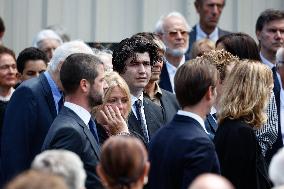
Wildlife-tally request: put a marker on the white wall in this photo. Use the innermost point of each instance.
(113, 20)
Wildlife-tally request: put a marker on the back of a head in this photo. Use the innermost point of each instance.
(66, 49)
(200, 47)
(76, 67)
(193, 79)
(123, 161)
(36, 180)
(248, 80)
(276, 168)
(241, 45)
(210, 181)
(63, 163)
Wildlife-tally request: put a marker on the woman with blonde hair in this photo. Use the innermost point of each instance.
(124, 163)
(242, 110)
(112, 115)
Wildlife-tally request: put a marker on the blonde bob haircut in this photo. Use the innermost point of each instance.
(113, 79)
(246, 93)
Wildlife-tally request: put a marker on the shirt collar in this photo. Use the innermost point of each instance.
(194, 116)
(134, 98)
(54, 88)
(265, 61)
(7, 98)
(200, 34)
(80, 111)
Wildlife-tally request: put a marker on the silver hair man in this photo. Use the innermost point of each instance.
(62, 163)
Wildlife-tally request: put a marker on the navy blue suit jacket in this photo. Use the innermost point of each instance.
(165, 82)
(179, 152)
(28, 117)
(192, 39)
(279, 142)
(69, 132)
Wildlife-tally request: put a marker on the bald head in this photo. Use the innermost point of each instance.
(210, 181)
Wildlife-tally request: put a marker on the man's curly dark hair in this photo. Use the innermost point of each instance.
(128, 47)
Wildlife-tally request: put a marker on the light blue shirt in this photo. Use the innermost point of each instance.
(266, 62)
(200, 34)
(194, 116)
(54, 89)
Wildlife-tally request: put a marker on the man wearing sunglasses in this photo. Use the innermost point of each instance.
(173, 30)
(209, 13)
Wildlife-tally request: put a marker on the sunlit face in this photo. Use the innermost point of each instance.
(48, 46)
(271, 37)
(175, 36)
(8, 71)
(96, 92)
(137, 72)
(209, 12)
(32, 69)
(118, 98)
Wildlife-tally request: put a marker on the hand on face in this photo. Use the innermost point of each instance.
(115, 123)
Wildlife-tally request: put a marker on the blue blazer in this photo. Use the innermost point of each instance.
(69, 132)
(179, 152)
(192, 39)
(165, 82)
(28, 117)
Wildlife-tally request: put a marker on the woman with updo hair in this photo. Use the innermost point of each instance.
(124, 163)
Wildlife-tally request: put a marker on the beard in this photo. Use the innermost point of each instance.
(95, 99)
(177, 52)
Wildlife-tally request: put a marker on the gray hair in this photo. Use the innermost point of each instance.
(46, 34)
(66, 49)
(276, 168)
(62, 163)
(160, 24)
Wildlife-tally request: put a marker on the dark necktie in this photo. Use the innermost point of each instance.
(93, 129)
(140, 118)
(60, 102)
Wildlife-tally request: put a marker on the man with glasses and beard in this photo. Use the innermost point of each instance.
(82, 77)
(173, 30)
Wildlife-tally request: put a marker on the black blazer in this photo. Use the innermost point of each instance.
(154, 119)
(69, 132)
(179, 152)
(29, 114)
(240, 155)
(279, 142)
(192, 39)
(169, 104)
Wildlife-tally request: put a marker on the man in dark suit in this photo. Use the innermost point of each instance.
(82, 77)
(182, 150)
(209, 13)
(32, 109)
(133, 59)
(173, 30)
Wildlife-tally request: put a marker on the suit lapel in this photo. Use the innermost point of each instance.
(48, 95)
(133, 126)
(165, 79)
(151, 124)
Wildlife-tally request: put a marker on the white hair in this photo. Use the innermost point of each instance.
(66, 49)
(159, 28)
(46, 34)
(62, 163)
(276, 168)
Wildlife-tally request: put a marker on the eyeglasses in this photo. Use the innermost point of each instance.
(174, 33)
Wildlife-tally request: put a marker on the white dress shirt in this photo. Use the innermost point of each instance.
(281, 106)
(172, 71)
(194, 116)
(80, 111)
(266, 62)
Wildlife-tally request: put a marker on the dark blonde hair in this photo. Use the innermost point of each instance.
(196, 49)
(246, 93)
(123, 160)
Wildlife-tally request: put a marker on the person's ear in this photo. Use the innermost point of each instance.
(84, 85)
(144, 176)
(102, 175)
(211, 93)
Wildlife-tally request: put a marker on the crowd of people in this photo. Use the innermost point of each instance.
(180, 107)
